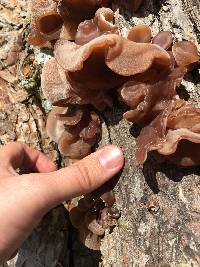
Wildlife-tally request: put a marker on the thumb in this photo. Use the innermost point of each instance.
(80, 178)
(30, 196)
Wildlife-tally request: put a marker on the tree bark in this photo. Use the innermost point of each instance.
(160, 222)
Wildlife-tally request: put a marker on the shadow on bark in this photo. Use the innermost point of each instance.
(151, 168)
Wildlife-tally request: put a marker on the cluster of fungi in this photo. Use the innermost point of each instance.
(91, 63)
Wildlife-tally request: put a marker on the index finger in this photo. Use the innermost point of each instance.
(17, 155)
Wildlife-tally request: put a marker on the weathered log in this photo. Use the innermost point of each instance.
(160, 223)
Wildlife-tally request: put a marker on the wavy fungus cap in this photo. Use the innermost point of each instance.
(148, 70)
(122, 56)
(182, 142)
(185, 53)
(140, 34)
(84, 73)
(147, 100)
(101, 24)
(174, 134)
(163, 39)
(55, 85)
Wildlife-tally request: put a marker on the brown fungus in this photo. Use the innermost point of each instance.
(82, 218)
(102, 23)
(92, 223)
(147, 100)
(46, 22)
(163, 39)
(85, 73)
(174, 134)
(52, 19)
(123, 57)
(185, 53)
(182, 141)
(108, 198)
(91, 218)
(75, 129)
(140, 34)
(56, 87)
(151, 97)
(91, 70)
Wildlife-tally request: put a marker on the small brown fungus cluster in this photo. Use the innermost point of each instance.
(92, 216)
(75, 129)
(55, 19)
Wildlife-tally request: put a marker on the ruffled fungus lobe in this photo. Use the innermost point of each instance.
(140, 34)
(55, 86)
(150, 95)
(182, 142)
(174, 134)
(75, 129)
(110, 57)
(86, 73)
(147, 100)
(185, 53)
(123, 57)
(163, 39)
(52, 19)
(101, 24)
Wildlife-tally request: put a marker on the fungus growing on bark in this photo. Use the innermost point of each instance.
(92, 216)
(90, 29)
(151, 98)
(182, 141)
(86, 73)
(46, 22)
(91, 70)
(147, 100)
(174, 134)
(75, 129)
(52, 19)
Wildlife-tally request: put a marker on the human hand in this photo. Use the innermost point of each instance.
(25, 199)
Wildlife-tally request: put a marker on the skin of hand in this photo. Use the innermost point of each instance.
(25, 199)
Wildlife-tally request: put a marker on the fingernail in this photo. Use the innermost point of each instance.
(111, 158)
